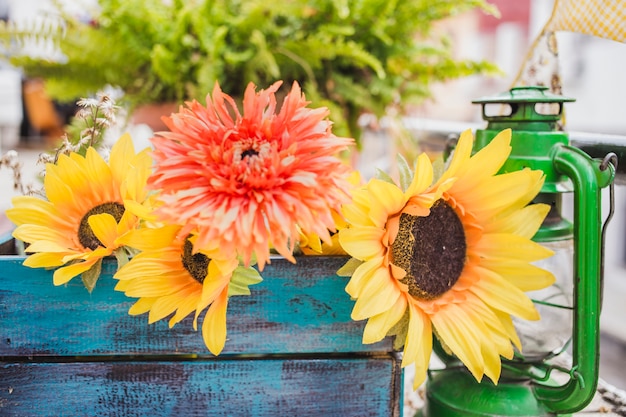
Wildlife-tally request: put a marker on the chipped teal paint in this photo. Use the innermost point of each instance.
(307, 312)
(292, 349)
(223, 388)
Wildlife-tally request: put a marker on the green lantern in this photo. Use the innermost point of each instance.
(533, 383)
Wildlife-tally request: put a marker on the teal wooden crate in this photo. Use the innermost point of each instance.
(291, 350)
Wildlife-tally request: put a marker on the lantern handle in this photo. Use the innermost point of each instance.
(609, 160)
(588, 177)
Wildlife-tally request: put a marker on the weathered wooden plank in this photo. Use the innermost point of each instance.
(274, 387)
(64, 352)
(297, 308)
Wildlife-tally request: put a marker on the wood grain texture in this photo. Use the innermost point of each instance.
(292, 349)
(342, 388)
(297, 308)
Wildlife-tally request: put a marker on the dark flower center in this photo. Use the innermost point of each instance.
(249, 153)
(197, 264)
(432, 251)
(86, 237)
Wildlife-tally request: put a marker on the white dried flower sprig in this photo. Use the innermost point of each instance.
(11, 161)
(100, 112)
(97, 114)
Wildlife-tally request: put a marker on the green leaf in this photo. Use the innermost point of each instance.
(439, 167)
(349, 267)
(382, 175)
(121, 254)
(405, 172)
(90, 276)
(399, 330)
(242, 278)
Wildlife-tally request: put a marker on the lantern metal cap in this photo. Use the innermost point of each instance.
(526, 94)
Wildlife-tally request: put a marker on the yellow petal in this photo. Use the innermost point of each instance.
(379, 325)
(223, 267)
(33, 232)
(89, 254)
(501, 194)
(418, 345)
(119, 157)
(150, 239)
(99, 172)
(536, 179)
(66, 273)
(385, 200)
(422, 178)
(139, 267)
(44, 260)
(486, 162)
(509, 328)
(163, 307)
(58, 192)
(139, 210)
(32, 210)
(212, 287)
(155, 286)
(127, 223)
(509, 247)
(492, 361)
(498, 335)
(185, 308)
(214, 325)
(498, 293)
(460, 156)
(525, 276)
(310, 241)
(134, 185)
(362, 274)
(356, 212)
(81, 176)
(47, 246)
(71, 172)
(104, 227)
(524, 222)
(493, 342)
(143, 305)
(379, 294)
(461, 334)
(363, 243)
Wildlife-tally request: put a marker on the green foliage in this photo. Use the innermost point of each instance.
(351, 56)
(90, 276)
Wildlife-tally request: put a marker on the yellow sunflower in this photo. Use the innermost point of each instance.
(451, 258)
(169, 278)
(85, 213)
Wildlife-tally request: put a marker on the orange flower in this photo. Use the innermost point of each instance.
(248, 181)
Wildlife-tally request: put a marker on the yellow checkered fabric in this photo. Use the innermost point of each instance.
(603, 18)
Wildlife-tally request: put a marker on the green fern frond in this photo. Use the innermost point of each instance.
(352, 56)
(14, 37)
